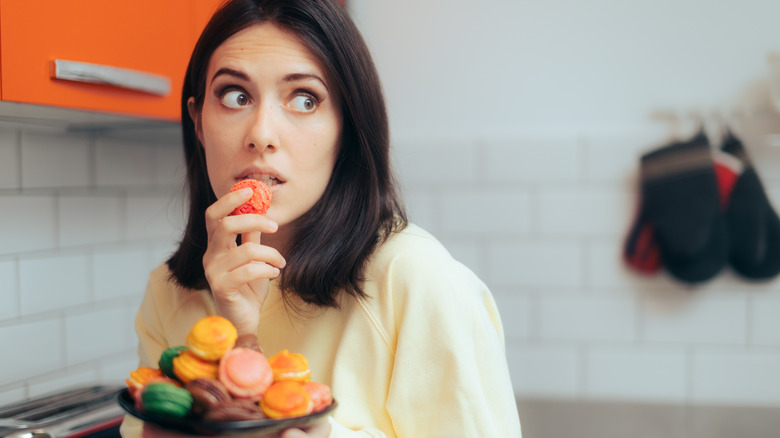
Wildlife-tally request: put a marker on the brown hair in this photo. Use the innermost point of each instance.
(360, 206)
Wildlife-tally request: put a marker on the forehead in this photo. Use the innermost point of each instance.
(267, 43)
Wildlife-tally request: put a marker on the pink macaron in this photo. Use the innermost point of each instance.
(245, 373)
(321, 396)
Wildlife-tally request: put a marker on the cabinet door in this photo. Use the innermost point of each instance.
(144, 36)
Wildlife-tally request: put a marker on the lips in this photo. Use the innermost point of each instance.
(267, 178)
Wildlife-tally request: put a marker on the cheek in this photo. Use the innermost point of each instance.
(218, 160)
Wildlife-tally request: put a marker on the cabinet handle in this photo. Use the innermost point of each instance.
(108, 75)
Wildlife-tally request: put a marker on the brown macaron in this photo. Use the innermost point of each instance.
(235, 410)
(206, 394)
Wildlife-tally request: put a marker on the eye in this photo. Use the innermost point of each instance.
(304, 103)
(234, 98)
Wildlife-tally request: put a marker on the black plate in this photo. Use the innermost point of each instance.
(194, 426)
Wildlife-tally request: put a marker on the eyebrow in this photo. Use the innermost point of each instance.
(292, 77)
(230, 72)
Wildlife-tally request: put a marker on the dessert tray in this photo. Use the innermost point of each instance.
(194, 426)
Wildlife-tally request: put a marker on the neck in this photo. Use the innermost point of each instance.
(278, 240)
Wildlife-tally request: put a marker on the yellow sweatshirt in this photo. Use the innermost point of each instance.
(423, 356)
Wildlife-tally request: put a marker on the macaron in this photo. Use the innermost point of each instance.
(138, 379)
(166, 360)
(142, 376)
(235, 410)
(206, 394)
(166, 400)
(320, 393)
(290, 366)
(211, 337)
(187, 366)
(286, 399)
(260, 201)
(245, 373)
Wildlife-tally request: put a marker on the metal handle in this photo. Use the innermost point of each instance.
(108, 75)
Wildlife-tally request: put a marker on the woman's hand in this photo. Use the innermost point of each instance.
(319, 429)
(239, 274)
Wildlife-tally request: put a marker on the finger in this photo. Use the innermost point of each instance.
(253, 237)
(225, 205)
(293, 433)
(228, 284)
(252, 271)
(320, 428)
(247, 223)
(248, 253)
(223, 234)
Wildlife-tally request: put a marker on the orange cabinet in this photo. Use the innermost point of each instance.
(121, 57)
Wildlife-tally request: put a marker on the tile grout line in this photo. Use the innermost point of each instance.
(19, 158)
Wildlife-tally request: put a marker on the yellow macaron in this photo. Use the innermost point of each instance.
(211, 337)
(187, 366)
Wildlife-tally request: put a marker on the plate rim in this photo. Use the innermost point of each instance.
(195, 425)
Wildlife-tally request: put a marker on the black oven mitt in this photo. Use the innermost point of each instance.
(680, 195)
(753, 225)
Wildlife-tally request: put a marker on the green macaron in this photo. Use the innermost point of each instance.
(166, 360)
(166, 400)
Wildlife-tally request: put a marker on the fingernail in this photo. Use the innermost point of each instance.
(246, 191)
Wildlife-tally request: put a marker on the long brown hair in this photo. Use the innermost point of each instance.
(360, 206)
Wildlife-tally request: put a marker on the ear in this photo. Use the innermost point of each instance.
(195, 116)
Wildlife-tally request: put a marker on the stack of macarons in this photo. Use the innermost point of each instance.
(219, 376)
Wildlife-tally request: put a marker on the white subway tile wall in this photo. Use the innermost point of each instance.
(627, 372)
(124, 163)
(55, 160)
(83, 219)
(9, 159)
(541, 219)
(9, 294)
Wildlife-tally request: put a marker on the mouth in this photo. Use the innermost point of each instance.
(265, 178)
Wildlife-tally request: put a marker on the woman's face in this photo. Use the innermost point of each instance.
(269, 113)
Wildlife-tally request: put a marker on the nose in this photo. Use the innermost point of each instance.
(263, 132)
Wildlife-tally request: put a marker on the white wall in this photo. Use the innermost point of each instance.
(483, 68)
(517, 129)
(83, 220)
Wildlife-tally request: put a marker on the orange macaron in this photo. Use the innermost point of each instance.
(286, 399)
(290, 366)
(187, 366)
(260, 201)
(142, 376)
(211, 337)
(139, 378)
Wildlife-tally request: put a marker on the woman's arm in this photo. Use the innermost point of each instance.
(450, 376)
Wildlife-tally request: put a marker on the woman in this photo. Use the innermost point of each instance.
(409, 340)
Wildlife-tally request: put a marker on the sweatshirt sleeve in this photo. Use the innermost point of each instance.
(450, 376)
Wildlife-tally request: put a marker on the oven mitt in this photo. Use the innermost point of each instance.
(680, 195)
(753, 225)
(640, 250)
